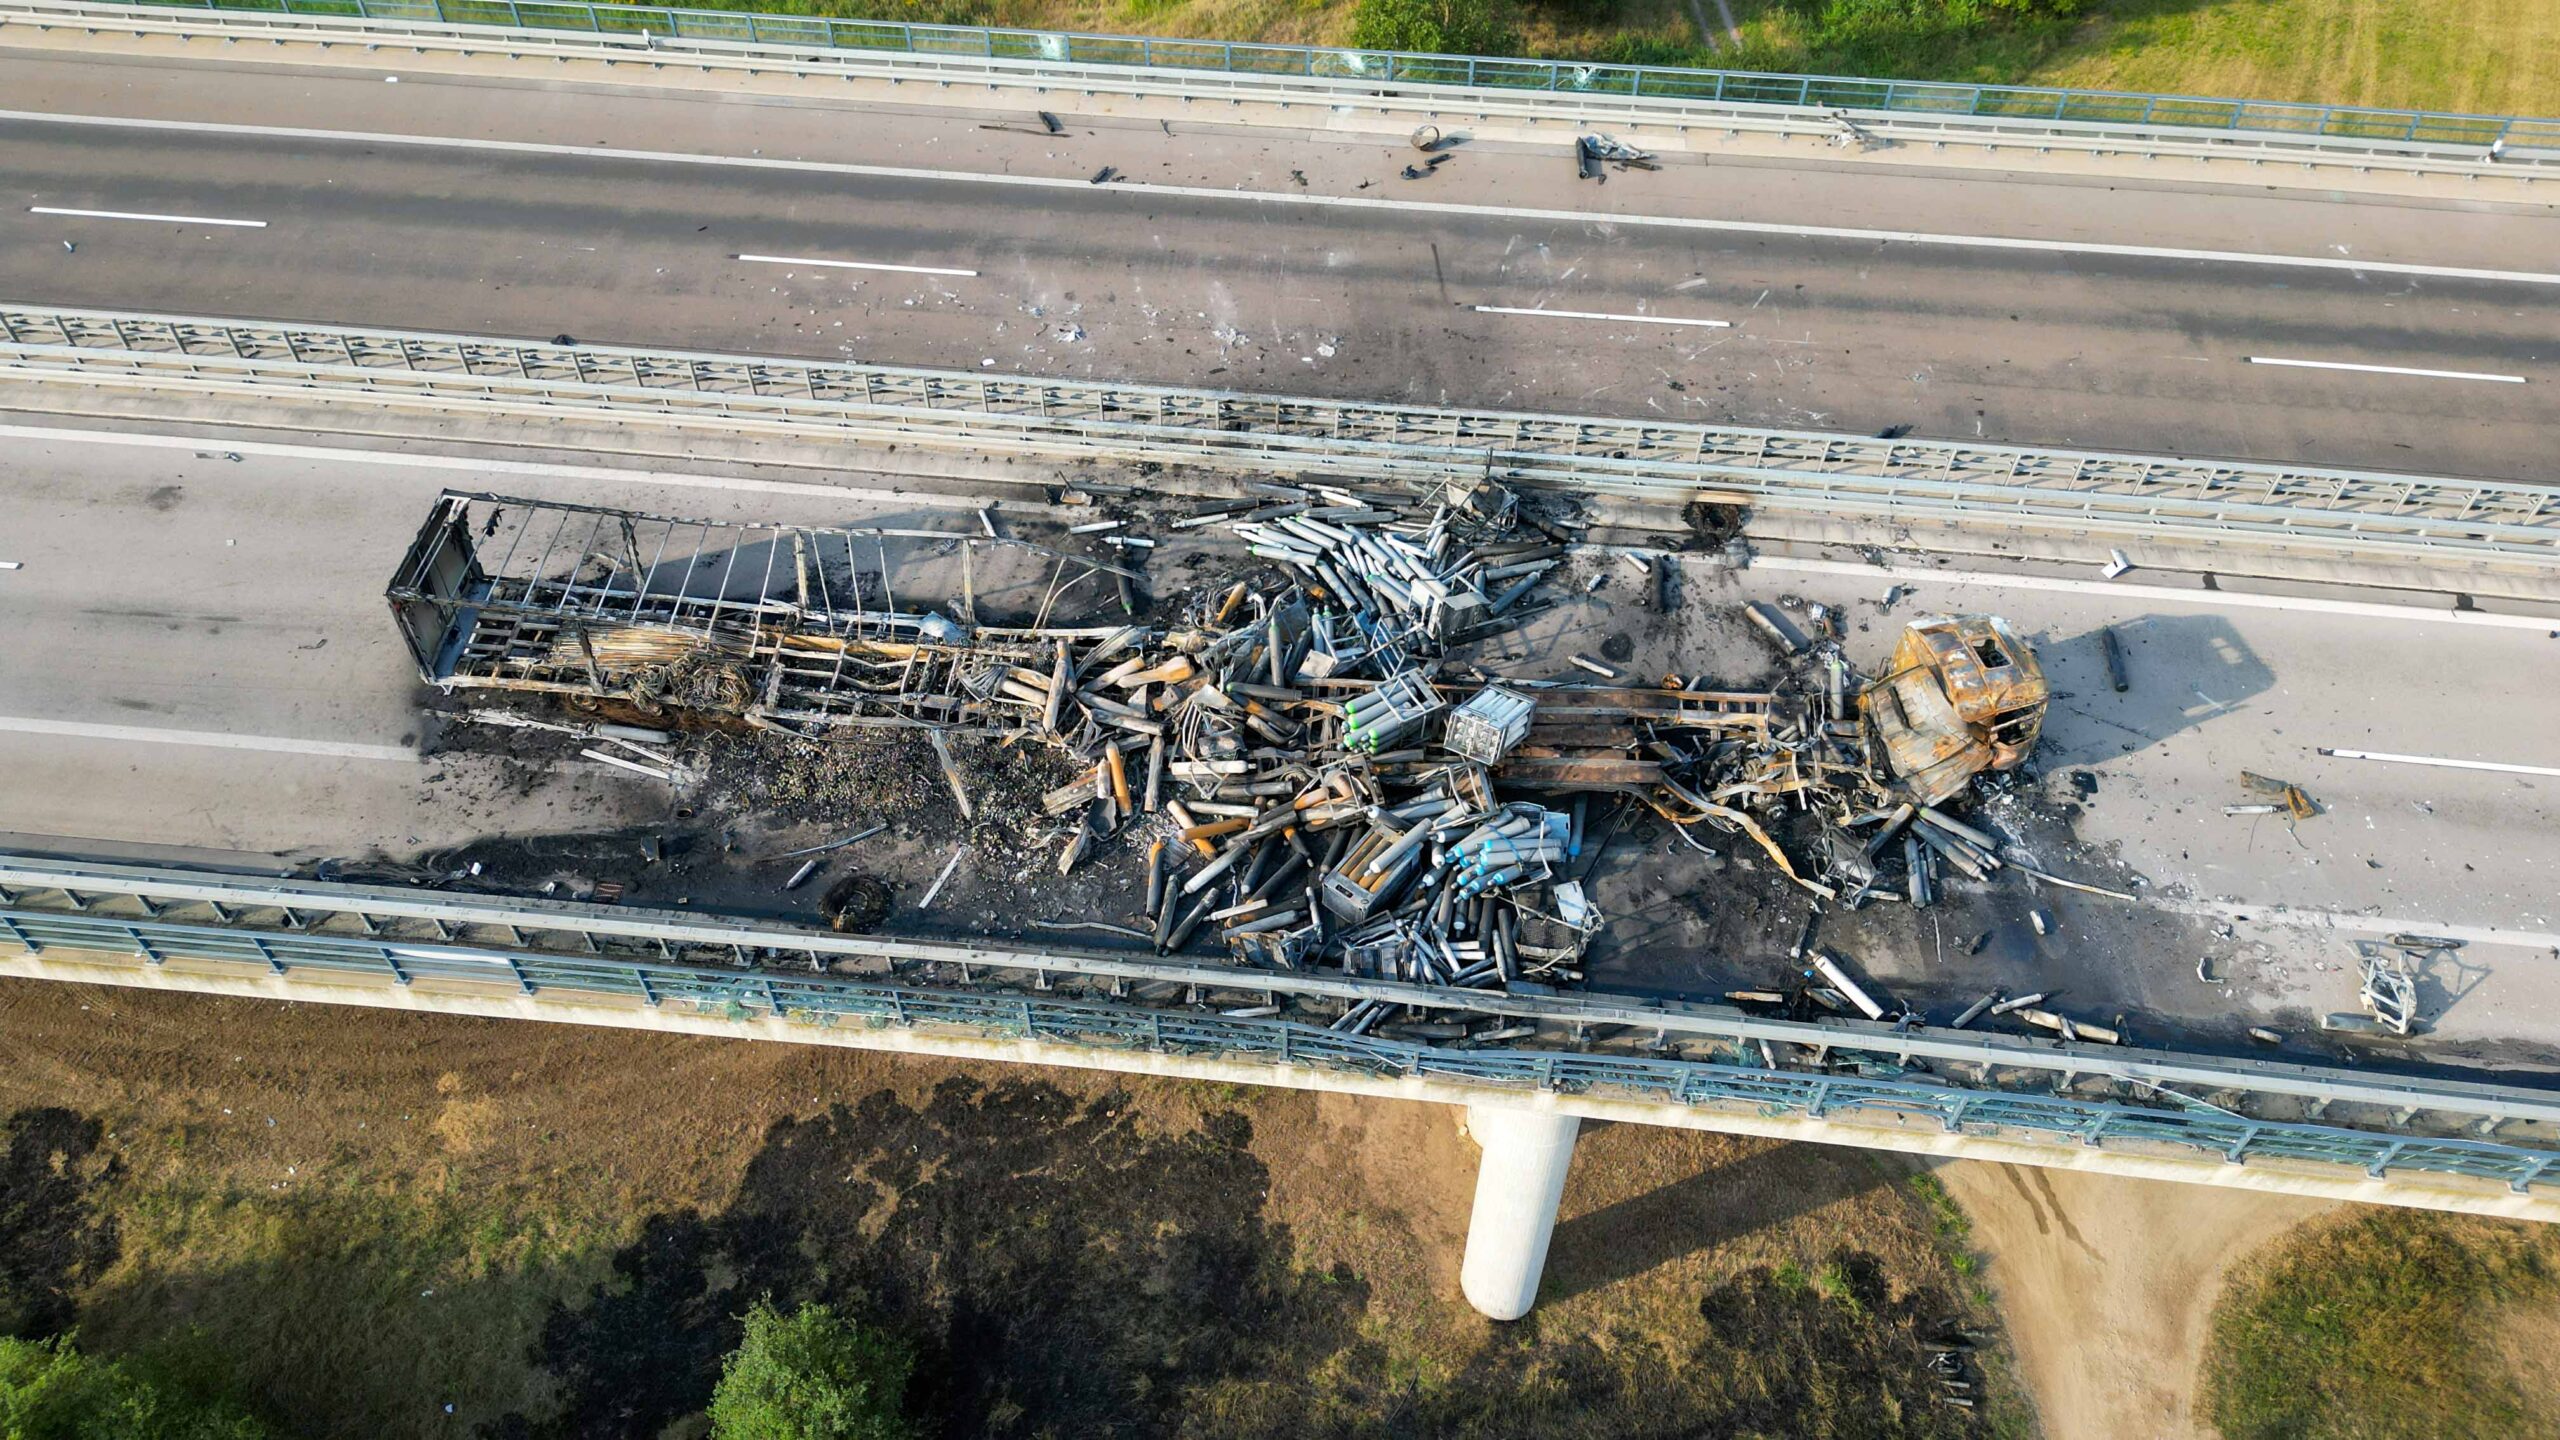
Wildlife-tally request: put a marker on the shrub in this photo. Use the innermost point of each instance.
(812, 1375)
(1439, 27)
(50, 1391)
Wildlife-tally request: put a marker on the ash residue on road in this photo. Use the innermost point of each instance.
(775, 782)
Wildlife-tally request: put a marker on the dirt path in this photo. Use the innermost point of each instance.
(2108, 1286)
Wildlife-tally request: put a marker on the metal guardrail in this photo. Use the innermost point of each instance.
(2338, 512)
(288, 928)
(1399, 101)
(1554, 77)
(375, 912)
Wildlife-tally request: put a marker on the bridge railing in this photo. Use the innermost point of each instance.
(2415, 519)
(1872, 1090)
(1565, 77)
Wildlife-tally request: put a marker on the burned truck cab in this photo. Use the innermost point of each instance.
(1963, 695)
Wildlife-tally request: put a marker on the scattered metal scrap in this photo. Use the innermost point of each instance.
(2388, 989)
(2289, 799)
(1324, 781)
(1593, 154)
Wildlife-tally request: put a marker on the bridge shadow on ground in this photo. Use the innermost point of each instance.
(1761, 1187)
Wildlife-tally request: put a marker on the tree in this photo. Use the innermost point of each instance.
(812, 1375)
(1437, 27)
(50, 1391)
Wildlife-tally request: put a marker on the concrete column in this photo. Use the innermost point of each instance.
(1519, 1181)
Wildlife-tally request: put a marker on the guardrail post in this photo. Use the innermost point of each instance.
(268, 954)
(24, 943)
(2235, 1149)
(2382, 1162)
(2524, 1182)
(523, 986)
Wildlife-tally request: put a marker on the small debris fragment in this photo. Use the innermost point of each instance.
(935, 890)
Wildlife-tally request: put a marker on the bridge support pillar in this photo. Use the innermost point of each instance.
(1519, 1180)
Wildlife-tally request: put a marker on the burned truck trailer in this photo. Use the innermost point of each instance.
(781, 626)
(1328, 774)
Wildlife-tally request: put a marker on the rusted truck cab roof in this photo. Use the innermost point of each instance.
(1963, 695)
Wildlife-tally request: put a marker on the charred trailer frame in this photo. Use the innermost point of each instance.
(766, 624)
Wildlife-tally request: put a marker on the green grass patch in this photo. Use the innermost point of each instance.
(2389, 1324)
(357, 1306)
(1952, 1224)
(2494, 56)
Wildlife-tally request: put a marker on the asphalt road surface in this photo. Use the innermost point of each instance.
(202, 659)
(2362, 332)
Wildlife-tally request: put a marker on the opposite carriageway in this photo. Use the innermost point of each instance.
(2474, 525)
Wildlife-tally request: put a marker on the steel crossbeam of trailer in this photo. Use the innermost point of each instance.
(2343, 513)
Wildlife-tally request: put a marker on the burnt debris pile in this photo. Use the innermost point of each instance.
(1313, 766)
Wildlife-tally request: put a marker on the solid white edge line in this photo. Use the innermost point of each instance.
(133, 215)
(856, 265)
(2154, 594)
(2298, 919)
(531, 469)
(1275, 197)
(2386, 370)
(2441, 761)
(1601, 315)
(276, 744)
